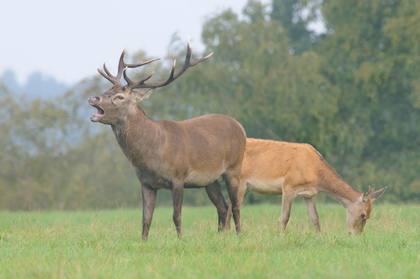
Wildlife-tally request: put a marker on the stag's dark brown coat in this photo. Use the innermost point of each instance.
(169, 154)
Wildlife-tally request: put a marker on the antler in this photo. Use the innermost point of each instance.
(188, 63)
(121, 69)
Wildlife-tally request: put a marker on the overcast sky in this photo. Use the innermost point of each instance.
(69, 40)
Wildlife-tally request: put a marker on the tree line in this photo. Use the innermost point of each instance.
(353, 92)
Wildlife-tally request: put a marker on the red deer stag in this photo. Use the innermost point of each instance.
(297, 169)
(168, 154)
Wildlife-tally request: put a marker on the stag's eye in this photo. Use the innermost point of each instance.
(363, 216)
(119, 97)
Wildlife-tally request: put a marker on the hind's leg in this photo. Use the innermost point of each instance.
(313, 214)
(286, 203)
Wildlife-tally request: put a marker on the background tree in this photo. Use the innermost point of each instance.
(373, 53)
(273, 93)
(295, 16)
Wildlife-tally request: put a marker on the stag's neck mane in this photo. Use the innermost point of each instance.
(139, 137)
(335, 186)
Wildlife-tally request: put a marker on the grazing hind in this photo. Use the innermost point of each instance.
(297, 169)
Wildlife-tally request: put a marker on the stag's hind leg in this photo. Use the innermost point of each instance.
(215, 194)
(242, 192)
(232, 179)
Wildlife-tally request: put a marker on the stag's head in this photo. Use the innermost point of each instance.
(359, 212)
(120, 100)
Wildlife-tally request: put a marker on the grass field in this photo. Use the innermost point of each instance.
(107, 244)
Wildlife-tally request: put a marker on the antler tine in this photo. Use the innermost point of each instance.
(122, 66)
(135, 84)
(198, 60)
(108, 76)
(115, 80)
(188, 63)
(141, 64)
(171, 75)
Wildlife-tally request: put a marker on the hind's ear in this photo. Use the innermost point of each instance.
(378, 193)
(367, 194)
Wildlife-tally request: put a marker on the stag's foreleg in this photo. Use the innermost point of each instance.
(177, 199)
(313, 214)
(215, 194)
(149, 201)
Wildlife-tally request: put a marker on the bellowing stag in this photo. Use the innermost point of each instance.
(168, 154)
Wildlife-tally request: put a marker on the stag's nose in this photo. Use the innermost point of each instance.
(94, 99)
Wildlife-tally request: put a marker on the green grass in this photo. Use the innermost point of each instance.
(107, 244)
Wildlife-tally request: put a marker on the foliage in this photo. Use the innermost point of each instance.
(106, 244)
(278, 95)
(353, 93)
(295, 16)
(376, 67)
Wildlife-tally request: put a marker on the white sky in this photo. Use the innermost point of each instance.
(70, 39)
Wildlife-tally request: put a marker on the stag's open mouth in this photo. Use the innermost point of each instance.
(97, 116)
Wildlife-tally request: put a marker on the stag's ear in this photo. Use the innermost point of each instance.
(142, 95)
(367, 194)
(378, 193)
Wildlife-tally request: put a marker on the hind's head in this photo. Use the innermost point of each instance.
(359, 212)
